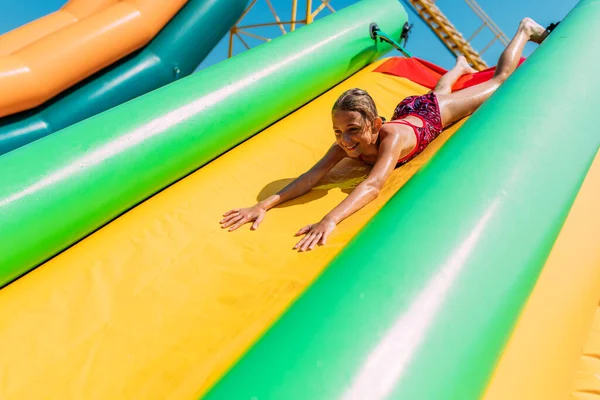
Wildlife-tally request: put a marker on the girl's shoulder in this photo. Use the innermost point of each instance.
(392, 128)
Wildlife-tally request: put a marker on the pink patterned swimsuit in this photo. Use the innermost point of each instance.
(426, 108)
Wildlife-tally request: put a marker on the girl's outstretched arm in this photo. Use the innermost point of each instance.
(235, 218)
(389, 151)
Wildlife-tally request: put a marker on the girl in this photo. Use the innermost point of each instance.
(360, 134)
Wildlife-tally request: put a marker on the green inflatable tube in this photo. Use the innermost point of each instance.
(66, 185)
(174, 53)
(422, 302)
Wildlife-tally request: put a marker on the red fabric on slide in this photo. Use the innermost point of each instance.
(427, 74)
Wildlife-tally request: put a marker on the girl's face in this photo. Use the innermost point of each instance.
(353, 133)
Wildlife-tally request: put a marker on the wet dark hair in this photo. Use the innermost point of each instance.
(360, 101)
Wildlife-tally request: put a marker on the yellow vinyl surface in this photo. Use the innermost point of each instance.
(544, 349)
(586, 379)
(160, 302)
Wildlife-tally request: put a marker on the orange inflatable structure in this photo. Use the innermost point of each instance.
(47, 56)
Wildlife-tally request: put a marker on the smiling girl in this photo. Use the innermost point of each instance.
(362, 135)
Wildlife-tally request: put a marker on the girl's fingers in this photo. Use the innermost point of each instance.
(308, 241)
(304, 230)
(229, 218)
(298, 244)
(232, 221)
(241, 222)
(258, 221)
(301, 242)
(235, 210)
(314, 242)
(323, 239)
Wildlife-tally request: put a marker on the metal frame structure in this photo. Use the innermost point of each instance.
(239, 30)
(486, 22)
(451, 37)
(426, 9)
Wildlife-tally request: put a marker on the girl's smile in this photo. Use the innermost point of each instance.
(352, 132)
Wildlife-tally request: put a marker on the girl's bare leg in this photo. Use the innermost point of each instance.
(454, 106)
(462, 67)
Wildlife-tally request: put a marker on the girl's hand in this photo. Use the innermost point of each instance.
(240, 216)
(315, 234)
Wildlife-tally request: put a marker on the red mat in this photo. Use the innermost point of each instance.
(427, 74)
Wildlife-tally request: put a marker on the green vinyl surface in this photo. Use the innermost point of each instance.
(421, 303)
(66, 185)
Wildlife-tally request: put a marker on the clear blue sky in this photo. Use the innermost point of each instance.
(423, 43)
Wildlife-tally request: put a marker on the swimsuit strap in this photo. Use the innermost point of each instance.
(403, 122)
(415, 130)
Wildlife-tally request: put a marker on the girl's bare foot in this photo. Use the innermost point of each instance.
(462, 63)
(536, 32)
